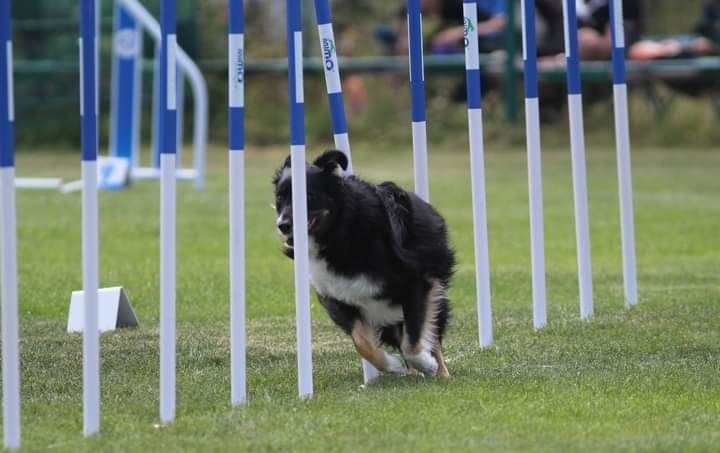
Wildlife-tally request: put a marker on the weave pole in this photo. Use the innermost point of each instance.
(299, 199)
(236, 131)
(477, 169)
(622, 138)
(577, 149)
(8, 265)
(89, 122)
(168, 149)
(331, 68)
(417, 95)
(532, 132)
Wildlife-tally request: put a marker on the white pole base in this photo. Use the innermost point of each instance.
(627, 222)
(10, 317)
(238, 372)
(482, 260)
(420, 160)
(537, 233)
(302, 276)
(167, 287)
(582, 222)
(91, 336)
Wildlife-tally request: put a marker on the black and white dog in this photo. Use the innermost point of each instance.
(379, 261)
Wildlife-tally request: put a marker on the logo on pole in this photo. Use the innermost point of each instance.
(240, 66)
(468, 28)
(328, 47)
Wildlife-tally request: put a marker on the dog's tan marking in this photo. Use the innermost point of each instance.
(366, 344)
(442, 367)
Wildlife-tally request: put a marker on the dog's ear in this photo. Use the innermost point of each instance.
(332, 161)
(279, 172)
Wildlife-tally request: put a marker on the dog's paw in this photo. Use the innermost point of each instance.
(424, 362)
(395, 366)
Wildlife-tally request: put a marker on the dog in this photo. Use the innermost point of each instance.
(379, 260)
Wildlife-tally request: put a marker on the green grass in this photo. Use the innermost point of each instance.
(640, 379)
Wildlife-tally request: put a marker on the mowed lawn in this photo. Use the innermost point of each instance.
(646, 378)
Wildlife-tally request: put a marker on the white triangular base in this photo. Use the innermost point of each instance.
(114, 310)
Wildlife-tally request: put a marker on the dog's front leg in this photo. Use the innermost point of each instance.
(366, 343)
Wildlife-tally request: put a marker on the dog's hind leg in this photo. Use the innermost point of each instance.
(421, 344)
(367, 345)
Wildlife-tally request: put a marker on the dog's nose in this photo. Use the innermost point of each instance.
(285, 227)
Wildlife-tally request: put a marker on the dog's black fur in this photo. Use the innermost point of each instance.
(388, 236)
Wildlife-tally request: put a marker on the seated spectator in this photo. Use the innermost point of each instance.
(705, 41)
(594, 27)
(549, 27)
(444, 30)
(449, 39)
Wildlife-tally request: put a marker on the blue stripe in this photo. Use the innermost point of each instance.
(322, 11)
(236, 16)
(236, 128)
(337, 112)
(297, 124)
(168, 118)
(531, 79)
(125, 91)
(417, 85)
(236, 115)
(573, 60)
(7, 129)
(618, 63)
(474, 89)
(89, 118)
(618, 54)
(297, 109)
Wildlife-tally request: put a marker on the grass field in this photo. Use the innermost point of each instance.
(640, 379)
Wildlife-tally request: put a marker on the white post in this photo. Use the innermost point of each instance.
(477, 170)
(168, 202)
(532, 126)
(577, 147)
(236, 145)
(8, 237)
(622, 138)
(299, 199)
(89, 116)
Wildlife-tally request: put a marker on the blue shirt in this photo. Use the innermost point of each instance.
(492, 8)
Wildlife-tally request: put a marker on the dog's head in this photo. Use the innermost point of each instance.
(324, 184)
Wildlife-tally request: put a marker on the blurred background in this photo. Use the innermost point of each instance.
(674, 70)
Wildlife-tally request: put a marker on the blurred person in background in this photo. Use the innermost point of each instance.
(443, 33)
(594, 27)
(449, 32)
(704, 41)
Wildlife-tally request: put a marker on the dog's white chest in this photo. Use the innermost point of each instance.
(357, 291)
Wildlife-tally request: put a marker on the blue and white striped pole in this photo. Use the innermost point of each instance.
(8, 280)
(299, 199)
(332, 78)
(89, 116)
(168, 149)
(236, 128)
(417, 95)
(532, 132)
(331, 68)
(577, 147)
(622, 138)
(477, 169)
